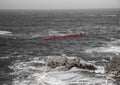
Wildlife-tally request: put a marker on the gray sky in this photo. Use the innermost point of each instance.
(58, 4)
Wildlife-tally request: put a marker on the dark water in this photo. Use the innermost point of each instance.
(24, 43)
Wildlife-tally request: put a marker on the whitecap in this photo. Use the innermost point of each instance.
(5, 32)
(116, 42)
(53, 32)
(108, 49)
(100, 69)
(37, 35)
(58, 32)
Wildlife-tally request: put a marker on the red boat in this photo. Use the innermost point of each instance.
(47, 38)
(64, 36)
(60, 36)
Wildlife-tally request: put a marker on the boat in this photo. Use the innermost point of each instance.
(47, 38)
(58, 36)
(64, 36)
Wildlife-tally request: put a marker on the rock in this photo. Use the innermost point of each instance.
(87, 66)
(112, 65)
(72, 62)
(56, 61)
(66, 63)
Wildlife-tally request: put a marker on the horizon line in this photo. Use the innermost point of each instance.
(62, 9)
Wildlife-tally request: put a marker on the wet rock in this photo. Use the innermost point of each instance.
(87, 66)
(66, 63)
(56, 61)
(72, 62)
(112, 66)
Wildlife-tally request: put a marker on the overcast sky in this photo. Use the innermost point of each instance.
(58, 4)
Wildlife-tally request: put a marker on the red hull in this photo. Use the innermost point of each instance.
(55, 37)
(46, 38)
(64, 36)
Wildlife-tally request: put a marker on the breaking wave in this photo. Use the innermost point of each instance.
(5, 32)
(111, 47)
(35, 72)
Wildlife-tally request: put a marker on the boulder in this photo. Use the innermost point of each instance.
(112, 65)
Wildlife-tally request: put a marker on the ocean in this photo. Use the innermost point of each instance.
(23, 52)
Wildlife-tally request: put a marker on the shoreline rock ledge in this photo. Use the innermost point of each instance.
(64, 63)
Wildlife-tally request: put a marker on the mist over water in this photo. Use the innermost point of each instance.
(23, 52)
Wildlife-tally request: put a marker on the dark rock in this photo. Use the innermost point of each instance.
(87, 66)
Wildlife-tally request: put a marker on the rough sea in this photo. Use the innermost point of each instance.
(23, 52)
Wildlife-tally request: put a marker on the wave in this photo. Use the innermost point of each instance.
(116, 42)
(5, 33)
(36, 35)
(35, 72)
(59, 32)
(20, 35)
(52, 32)
(44, 34)
(111, 47)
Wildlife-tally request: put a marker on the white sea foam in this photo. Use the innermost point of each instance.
(60, 32)
(5, 32)
(108, 49)
(37, 35)
(53, 32)
(116, 42)
(42, 75)
(100, 69)
(67, 78)
(112, 47)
